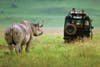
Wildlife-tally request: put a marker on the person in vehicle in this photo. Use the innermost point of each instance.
(82, 12)
(73, 11)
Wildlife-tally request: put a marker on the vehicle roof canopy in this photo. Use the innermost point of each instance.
(77, 16)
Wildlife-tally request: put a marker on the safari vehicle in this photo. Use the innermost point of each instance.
(77, 25)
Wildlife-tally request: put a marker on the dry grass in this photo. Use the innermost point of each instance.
(50, 51)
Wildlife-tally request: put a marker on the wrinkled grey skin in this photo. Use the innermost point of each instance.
(19, 34)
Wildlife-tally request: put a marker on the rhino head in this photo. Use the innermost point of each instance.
(37, 29)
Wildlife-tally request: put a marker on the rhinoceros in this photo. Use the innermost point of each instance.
(22, 33)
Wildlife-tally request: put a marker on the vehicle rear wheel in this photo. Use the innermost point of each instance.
(70, 29)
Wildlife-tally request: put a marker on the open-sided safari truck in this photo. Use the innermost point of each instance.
(77, 25)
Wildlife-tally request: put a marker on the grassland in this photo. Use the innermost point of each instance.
(51, 51)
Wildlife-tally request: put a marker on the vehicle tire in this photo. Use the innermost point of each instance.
(70, 29)
(91, 34)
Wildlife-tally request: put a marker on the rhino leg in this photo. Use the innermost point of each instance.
(17, 48)
(22, 46)
(28, 45)
(10, 48)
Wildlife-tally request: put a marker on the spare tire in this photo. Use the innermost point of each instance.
(70, 29)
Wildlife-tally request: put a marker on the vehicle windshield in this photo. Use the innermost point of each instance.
(77, 22)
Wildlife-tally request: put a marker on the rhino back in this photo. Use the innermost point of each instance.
(14, 34)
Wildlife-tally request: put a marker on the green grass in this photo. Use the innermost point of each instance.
(50, 51)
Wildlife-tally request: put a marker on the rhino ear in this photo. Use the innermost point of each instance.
(35, 25)
(41, 25)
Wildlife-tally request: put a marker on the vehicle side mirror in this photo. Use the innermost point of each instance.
(92, 27)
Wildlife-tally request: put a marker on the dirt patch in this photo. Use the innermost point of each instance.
(53, 31)
(59, 30)
(96, 30)
(3, 46)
